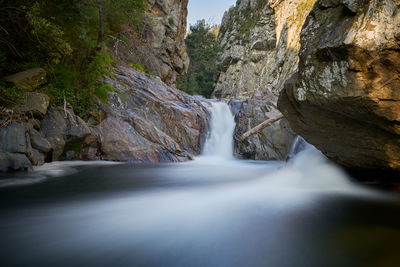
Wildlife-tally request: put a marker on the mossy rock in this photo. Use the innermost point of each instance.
(29, 79)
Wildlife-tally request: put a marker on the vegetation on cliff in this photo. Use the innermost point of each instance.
(203, 50)
(69, 39)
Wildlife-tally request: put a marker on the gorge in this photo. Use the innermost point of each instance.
(106, 160)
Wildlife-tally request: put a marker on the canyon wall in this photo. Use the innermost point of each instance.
(166, 38)
(260, 40)
(345, 98)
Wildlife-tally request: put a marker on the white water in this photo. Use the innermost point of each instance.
(307, 168)
(220, 140)
(213, 211)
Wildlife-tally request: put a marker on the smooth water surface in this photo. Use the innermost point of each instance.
(213, 211)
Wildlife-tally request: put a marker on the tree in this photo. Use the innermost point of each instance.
(112, 13)
(203, 50)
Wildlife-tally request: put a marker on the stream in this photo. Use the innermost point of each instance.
(213, 211)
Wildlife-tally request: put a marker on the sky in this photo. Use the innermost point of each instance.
(210, 10)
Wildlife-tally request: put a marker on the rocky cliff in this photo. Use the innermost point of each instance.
(260, 40)
(141, 120)
(345, 97)
(166, 39)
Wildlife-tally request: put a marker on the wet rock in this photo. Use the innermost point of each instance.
(345, 98)
(29, 79)
(35, 103)
(272, 143)
(14, 162)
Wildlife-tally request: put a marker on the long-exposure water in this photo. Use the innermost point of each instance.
(213, 211)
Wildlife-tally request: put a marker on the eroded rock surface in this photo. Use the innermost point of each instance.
(260, 40)
(148, 121)
(167, 38)
(273, 142)
(345, 99)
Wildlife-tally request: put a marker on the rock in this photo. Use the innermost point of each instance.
(166, 55)
(148, 121)
(63, 129)
(120, 141)
(38, 141)
(260, 40)
(29, 79)
(35, 103)
(37, 158)
(14, 162)
(272, 143)
(15, 139)
(345, 99)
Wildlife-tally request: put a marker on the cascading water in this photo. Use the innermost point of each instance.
(199, 213)
(220, 140)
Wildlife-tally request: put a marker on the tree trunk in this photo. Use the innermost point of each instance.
(261, 126)
(100, 38)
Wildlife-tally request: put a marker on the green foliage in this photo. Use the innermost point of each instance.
(99, 67)
(63, 38)
(50, 38)
(203, 51)
(9, 94)
(129, 12)
(3, 61)
(101, 91)
(244, 19)
(137, 66)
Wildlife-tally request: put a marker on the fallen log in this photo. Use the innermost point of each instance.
(261, 126)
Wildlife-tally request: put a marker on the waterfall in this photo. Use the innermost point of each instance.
(220, 140)
(298, 145)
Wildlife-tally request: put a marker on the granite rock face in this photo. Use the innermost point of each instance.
(148, 121)
(273, 142)
(345, 98)
(260, 40)
(167, 38)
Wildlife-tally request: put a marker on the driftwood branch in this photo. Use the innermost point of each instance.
(261, 126)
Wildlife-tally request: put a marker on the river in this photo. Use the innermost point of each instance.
(213, 211)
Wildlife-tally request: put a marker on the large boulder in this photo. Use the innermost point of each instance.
(15, 139)
(14, 162)
(29, 79)
(148, 121)
(16, 149)
(67, 133)
(35, 103)
(273, 142)
(345, 99)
